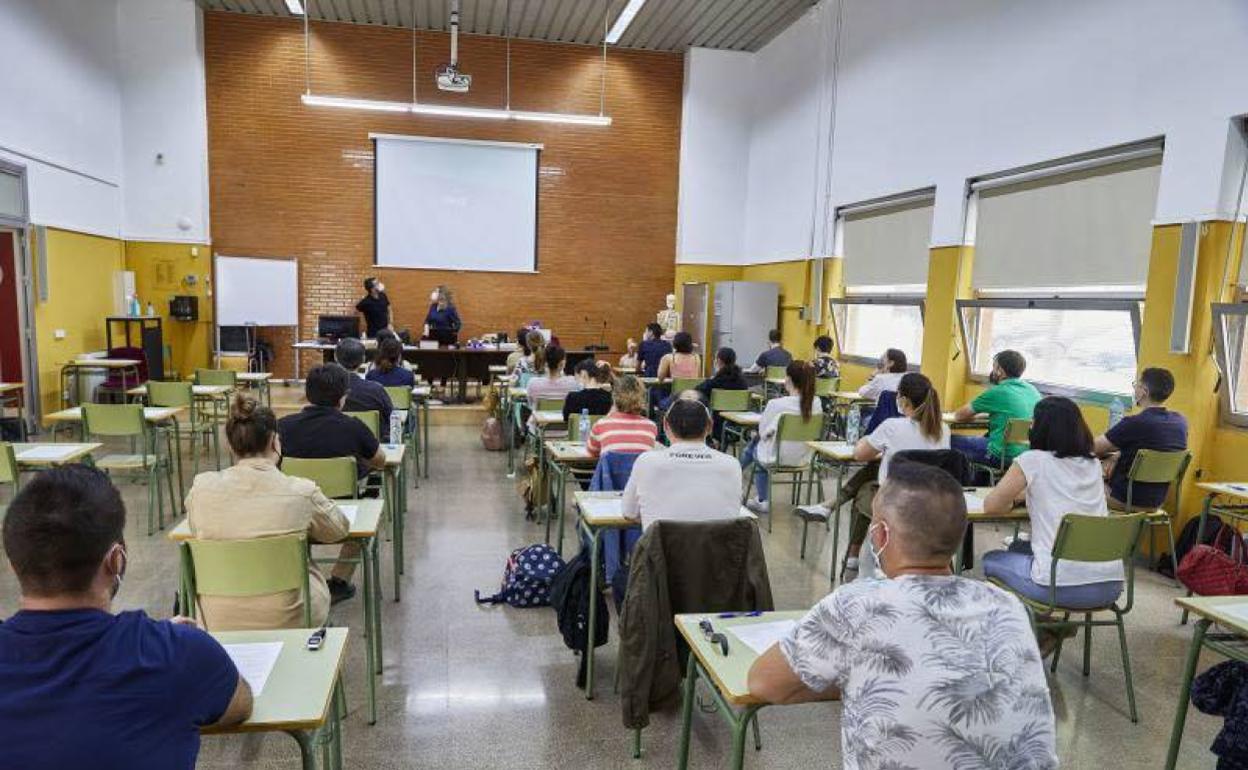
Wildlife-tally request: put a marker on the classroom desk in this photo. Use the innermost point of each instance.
(394, 493)
(1230, 612)
(543, 420)
(365, 531)
(11, 394)
(128, 368)
(36, 457)
(515, 396)
(726, 676)
(420, 396)
(743, 423)
(201, 392)
(592, 524)
(562, 457)
(259, 381)
(1234, 506)
(838, 455)
(298, 698)
(975, 516)
(978, 422)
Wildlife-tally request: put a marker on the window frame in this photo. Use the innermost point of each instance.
(1227, 368)
(1129, 305)
(890, 300)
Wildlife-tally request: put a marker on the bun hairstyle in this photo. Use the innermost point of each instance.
(727, 358)
(918, 390)
(598, 371)
(802, 375)
(250, 426)
(389, 354)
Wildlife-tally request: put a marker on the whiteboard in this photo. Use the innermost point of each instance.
(455, 204)
(263, 292)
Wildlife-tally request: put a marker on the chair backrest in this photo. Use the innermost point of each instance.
(950, 461)
(574, 426)
(336, 476)
(550, 405)
(681, 384)
(730, 400)
(1152, 466)
(885, 409)
(255, 567)
(113, 420)
(826, 386)
(169, 393)
(8, 465)
(793, 428)
(776, 372)
(1082, 537)
(226, 377)
(371, 418)
(400, 397)
(1018, 431)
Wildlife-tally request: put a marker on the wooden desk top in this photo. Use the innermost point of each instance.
(150, 413)
(394, 454)
(368, 512)
(569, 452)
(1218, 609)
(253, 376)
(841, 451)
(200, 391)
(297, 694)
(979, 517)
(70, 453)
(9, 387)
(100, 363)
(548, 418)
(1235, 489)
(613, 520)
(749, 419)
(728, 672)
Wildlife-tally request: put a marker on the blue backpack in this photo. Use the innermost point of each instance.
(526, 578)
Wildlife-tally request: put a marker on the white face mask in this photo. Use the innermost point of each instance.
(871, 546)
(433, 297)
(381, 287)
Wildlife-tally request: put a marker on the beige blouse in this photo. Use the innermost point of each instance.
(255, 499)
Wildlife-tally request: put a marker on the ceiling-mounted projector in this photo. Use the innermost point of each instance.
(448, 76)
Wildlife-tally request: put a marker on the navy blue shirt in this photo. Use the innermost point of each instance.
(319, 432)
(365, 395)
(649, 353)
(443, 319)
(773, 357)
(398, 377)
(1154, 428)
(86, 688)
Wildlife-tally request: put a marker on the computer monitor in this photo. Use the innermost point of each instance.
(337, 327)
(234, 339)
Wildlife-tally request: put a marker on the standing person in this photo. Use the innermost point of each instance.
(624, 429)
(1009, 398)
(933, 668)
(595, 393)
(375, 307)
(81, 687)
(652, 349)
(824, 363)
(1154, 427)
(253, 499)
(888, 372)
(387, 369)
(774, 355)
(363, 395)
(765, 449)
(442, 322)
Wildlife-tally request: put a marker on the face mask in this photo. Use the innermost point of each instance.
(433, 297)
(994, 378)
(119, 576)
(381, 287)
(871, 546)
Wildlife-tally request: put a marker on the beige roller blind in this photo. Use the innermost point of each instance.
(888, 246)
(1082, 228)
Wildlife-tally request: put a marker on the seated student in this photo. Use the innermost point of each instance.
(594, 378)
(624, 429)
(321, 430)
(554, 383)
(682, 362)
(686, 481)
(533, 361)
(629, 359)
(1009, 398)
(1058, 475)
(774, 355)
(522, 349)
(799, 382)
(253, 498)
(1154, 427)
(387, 369)
(652, 349)
(917, 657)
(728, 376)
(888, 372)
(824, 363)
(80, 686)
(364, 395)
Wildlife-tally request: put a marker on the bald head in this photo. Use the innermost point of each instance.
(924, 509)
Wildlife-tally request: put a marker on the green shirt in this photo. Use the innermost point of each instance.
(1008, 400)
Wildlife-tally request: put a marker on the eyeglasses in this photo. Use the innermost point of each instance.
(713, 636)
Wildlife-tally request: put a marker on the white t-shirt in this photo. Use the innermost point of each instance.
(1055, 488)
(687, 481)
(898, 434)
(793, 452)
(880, 382)
(934, 671)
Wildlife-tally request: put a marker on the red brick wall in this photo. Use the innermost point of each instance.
(289, 180)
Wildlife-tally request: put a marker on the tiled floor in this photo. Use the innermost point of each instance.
(476, 687)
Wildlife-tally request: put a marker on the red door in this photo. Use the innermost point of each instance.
(10, 326)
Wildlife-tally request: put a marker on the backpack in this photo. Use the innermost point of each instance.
(492, 435)
(570, 594)
(526, 578)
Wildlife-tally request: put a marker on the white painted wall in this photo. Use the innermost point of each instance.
(934, 93)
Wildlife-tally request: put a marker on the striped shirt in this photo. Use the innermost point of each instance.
(621, 432)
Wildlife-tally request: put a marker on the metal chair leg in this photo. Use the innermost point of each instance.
(1126, 665)
(1087, 643)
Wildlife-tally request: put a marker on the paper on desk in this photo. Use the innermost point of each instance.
(602, 507)
(1237, 611)
(49, 452)
(254, 661)
(350, 511)
(974, 503)
(759, 636)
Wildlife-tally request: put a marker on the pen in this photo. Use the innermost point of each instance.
(726, 615)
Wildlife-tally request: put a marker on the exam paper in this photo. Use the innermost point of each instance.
(1237, 611)
(602, 507)
(50, 452)
(974, 503)
(350, 511)
(255, 661)
(759, 636)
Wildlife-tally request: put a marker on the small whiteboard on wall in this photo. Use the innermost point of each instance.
(259, 292)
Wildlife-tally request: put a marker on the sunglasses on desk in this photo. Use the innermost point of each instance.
(713, 636)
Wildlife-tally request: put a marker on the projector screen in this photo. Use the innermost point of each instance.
(455, 205)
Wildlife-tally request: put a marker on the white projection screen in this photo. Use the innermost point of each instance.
(450, 204)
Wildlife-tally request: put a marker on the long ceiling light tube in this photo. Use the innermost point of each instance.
(623, 20)
(375, 105)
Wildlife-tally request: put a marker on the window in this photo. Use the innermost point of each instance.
(1229, 322)
(1076, 346)
(867, 326)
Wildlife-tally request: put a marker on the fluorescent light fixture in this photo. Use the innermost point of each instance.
(452, 111)
(623, 20)
(295, 7)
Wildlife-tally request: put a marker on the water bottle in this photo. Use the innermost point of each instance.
(396, 427)
(151, 310)
(851, 424)
(135, 309)
(1116, 411)
(584, 426)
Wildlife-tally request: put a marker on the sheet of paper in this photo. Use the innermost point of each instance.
(602, 507)
(759, 636)
(255, 661)
(50, 452)
(1237, 611)
(974, 503)
(350, 511)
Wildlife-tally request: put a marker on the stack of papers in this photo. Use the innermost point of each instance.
(254, 661)
(350, 511)
(760, 636)
(602, 507)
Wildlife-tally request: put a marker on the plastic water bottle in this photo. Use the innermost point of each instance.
(151, 311)
(584, 426)
(396, 427)
(852, 421)
(1116, 410)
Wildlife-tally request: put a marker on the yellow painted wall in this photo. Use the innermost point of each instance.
(160, 270)
(80, 296)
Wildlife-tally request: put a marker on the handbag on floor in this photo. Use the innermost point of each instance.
(1209, 570)
(492, 435)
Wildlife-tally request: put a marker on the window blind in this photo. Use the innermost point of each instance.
(887, 246)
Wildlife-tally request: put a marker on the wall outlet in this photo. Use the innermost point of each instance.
(194, 251)
(58, 334)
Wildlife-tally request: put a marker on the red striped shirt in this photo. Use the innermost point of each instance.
(621, 432)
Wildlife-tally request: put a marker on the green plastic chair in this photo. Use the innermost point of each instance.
(777, 372)
(1152, 466)
(144, 461)
(574, 426)
(245, 568)
(336, 476)
(1017, 431)
(791, 428)
(723, 400)
(224, 377)
(550, 405)
(825, 387)
(9, 473)
(405, 405)
(681, 384)
(202, 426)
(1092, 539)
(371, 418)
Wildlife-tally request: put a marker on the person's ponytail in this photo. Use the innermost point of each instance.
(802, 375)
(918, 390)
